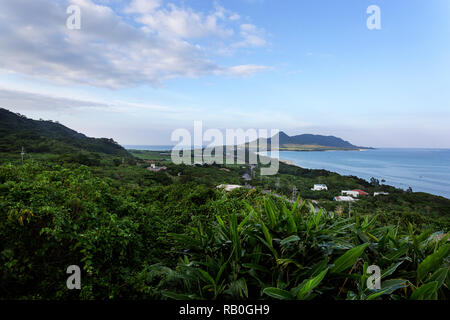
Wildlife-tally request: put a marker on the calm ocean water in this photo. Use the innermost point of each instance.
(426, 170)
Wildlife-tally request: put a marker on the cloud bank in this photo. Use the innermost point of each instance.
(128, 44)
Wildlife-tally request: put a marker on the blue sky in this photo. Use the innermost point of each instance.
(137, 70)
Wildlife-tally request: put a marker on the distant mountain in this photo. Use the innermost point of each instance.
(310, 142)
(17, 131)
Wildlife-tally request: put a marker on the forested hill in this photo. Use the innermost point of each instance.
(312, 141)
(17, 131)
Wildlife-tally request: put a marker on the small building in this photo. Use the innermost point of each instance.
(349, 193)
(354, 193)
(154, 168)
(380, 194)
(246, 177)
(361, 193)
(319, 187)
(229, 187)
(343, 198)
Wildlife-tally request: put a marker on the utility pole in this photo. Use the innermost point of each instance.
(349, 209)
(22, 153)
(294, 193)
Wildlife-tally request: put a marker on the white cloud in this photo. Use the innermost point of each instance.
(234, 17)
(252, 36)
(186, 23)
(110, 50)
(143, 6)
(243, 70)
(16, 100)
(25, 100)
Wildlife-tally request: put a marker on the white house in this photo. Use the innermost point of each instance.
(380, 194)
(320, 187)
(229, 187)
(354, 193)
(343, 198)
(351, 193)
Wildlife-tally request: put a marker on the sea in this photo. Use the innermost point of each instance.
(424, 170)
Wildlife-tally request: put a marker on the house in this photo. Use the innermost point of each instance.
(380, 194)
(154, 168)
(229, 187)
(351, 193)
(343, 198)
(354, 193)
(320, 187)
(361, 193)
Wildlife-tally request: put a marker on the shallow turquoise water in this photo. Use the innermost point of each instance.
(426, 170)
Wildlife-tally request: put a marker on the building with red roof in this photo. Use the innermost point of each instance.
(354, 193)
(361, 193)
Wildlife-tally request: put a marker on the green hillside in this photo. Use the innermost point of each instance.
(49, 139)
(39, 136)
(311, 142)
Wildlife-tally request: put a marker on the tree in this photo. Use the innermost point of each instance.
(374, 182)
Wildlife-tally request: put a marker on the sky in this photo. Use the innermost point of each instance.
(137, 70)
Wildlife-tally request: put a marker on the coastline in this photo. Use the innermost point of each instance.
(401, 182)
(322, 150)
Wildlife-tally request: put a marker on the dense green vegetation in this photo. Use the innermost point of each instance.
(296, 253)
(39, 136)
(187, 240)
(172, 234)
